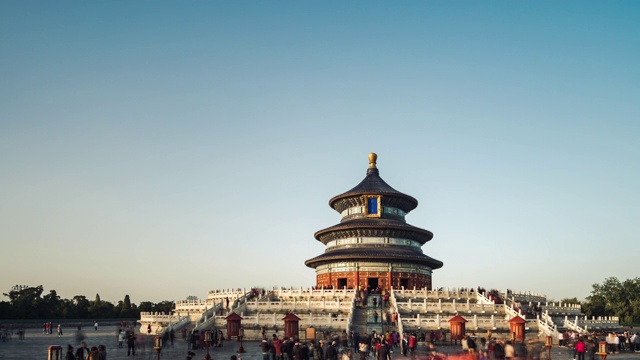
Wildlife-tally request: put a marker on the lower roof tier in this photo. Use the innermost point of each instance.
(379, 254)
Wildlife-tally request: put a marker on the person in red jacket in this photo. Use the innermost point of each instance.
(581, 347)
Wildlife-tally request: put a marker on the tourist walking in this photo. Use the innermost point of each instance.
(83, 352)
(69, 355)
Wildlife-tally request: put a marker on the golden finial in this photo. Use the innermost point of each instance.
(372, 160)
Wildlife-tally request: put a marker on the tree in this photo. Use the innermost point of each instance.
(573, 301)
(127, 311)
(25, 302)
(52, 305)
(81, 306)
(615, 298)
(146, 306)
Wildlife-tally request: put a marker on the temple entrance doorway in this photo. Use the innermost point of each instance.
(404, 283)
(342, 283)
(372, 283)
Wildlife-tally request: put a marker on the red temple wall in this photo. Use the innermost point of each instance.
(419, 281)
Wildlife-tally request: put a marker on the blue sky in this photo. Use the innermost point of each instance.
(163, 149)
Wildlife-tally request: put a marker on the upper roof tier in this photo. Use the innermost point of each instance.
(373, 184)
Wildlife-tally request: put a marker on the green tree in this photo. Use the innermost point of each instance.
(25, 302)
(52, 305)
(615, 298)
(81, 306)
(127, 309)
(572, 300)
(146, 306)
(164, 306)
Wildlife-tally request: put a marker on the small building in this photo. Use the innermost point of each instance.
(373, 246)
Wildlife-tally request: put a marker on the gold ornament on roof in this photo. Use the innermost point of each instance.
(372, 160)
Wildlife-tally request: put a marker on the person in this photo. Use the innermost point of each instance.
(94, 354)
(498, 350)
(191, 354)
(59, 330)
(331, 353)
(316, 350)
(121, 334)
(83, 352)
(363, 349)
(131, 344)
(509, 351)
(148, 329)
(591, 348)
(581, 347)
(346, 354)
(375, 316)
(471, 344)
(95, 325)
(102, 350)
(69, 355)
(384, 352)
(413, 342)
(264, 348)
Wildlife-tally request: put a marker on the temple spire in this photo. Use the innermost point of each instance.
(372, 160)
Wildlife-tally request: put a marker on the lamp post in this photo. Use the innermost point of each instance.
(207, 340)
(240, 336)
(158, 345)
(548, 343)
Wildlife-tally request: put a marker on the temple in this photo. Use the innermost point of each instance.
(373, 247)
(373, 262)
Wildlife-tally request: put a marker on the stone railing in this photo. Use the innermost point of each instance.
(448, 307)
(562, 309)
(573, 325)
(435, 294)
(192, 306)
(178, 325)
(208, 317)
(302, 305)
(511, 312)
(437, 322)
(600, 322)
(481, 299)
(158, 321)
(158, 318)
(352, 310)
(527, 297)
(283, 293)
(546, 326)
(306, 320)
(226, 293)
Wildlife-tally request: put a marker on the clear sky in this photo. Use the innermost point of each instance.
(164, 149)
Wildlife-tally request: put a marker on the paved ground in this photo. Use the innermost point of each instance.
(35, 347)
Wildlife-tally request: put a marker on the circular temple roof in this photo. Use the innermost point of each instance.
(398, 254)
(363, 227)
(373, 184)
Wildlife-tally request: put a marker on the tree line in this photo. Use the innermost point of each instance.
(611, 298)
(27, 302)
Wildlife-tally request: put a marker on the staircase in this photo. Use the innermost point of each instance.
(364, 321)
(359, 323)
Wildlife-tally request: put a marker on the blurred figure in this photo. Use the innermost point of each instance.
(69, 355)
